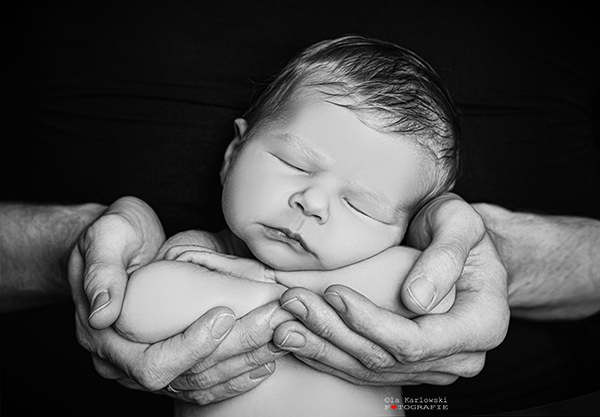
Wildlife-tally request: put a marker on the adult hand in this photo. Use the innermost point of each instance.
(345, 334)
(125, 237)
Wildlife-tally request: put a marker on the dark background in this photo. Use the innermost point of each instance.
(139, 99)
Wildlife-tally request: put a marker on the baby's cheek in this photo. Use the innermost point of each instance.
(352, 243)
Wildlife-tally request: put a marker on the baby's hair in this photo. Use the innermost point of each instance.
(388, 87)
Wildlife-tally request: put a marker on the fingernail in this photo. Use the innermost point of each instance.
(264, 370)
(274, 349)
(294, 340)
(222, 325)
(334, 299)
(296, 307)
(100, 302)
(422, 292)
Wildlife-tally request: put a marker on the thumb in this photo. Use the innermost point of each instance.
(105, 289)
(449, 228)
(434, 274)
(101, 277)
(93, 294)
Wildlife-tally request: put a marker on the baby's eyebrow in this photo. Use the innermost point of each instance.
(374, 198)
(315, 155)
(301, 145)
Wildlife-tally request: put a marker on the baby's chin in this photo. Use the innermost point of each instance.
(285, 262)
(280, 264)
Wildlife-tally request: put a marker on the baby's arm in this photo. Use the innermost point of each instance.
(378, 278)
(164, 297)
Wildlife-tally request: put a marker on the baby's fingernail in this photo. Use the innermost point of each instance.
(296, 307)
(264, 370)
(100, 302)
(222, 325)
(422, 292)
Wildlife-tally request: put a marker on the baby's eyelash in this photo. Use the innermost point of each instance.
(288, 164)
(355, 208)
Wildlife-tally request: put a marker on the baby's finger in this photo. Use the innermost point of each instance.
(226, 264)
(175, 252)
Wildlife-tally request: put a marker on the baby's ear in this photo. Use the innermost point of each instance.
(240, 126)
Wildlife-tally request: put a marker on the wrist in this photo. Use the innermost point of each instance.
(511, 235)
(552, 262)
(73, 220)
(498, 221)
(36, 243)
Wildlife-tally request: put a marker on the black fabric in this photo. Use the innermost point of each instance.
(139, 99)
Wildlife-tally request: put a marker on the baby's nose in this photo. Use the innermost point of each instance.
(313, 203)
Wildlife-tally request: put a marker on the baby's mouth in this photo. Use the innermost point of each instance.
(288, 236)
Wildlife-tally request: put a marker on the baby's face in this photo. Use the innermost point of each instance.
(320, 189)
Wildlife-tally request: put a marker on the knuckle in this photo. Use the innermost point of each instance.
(411, 353)
(451, 254)
(368, 376)
(434, 378)
(445, 380)
(375, 358)
(92, 273)
(252, 360)
(203, 380)
(473, 370)
(102, 369)
(150, 382)
(82, 336)
(253, 339)
(234, 387)
(150, 377)
(321, 351)
(325, 328)
(200, 397)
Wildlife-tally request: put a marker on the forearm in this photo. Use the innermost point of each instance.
(553, 262)
(35, 244)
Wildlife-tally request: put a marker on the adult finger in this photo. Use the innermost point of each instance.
(368, 377)
(250, 333)
(446, 230)
(108, 371)
(228, 389)
(257, 364)
(97, 287)
(325, 323)
(154, 366)
(477, 322)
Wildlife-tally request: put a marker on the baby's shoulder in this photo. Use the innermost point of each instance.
(213, 241)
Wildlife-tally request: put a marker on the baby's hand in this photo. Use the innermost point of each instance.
(231, 265)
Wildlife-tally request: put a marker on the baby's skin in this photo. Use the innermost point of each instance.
(164, 297)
